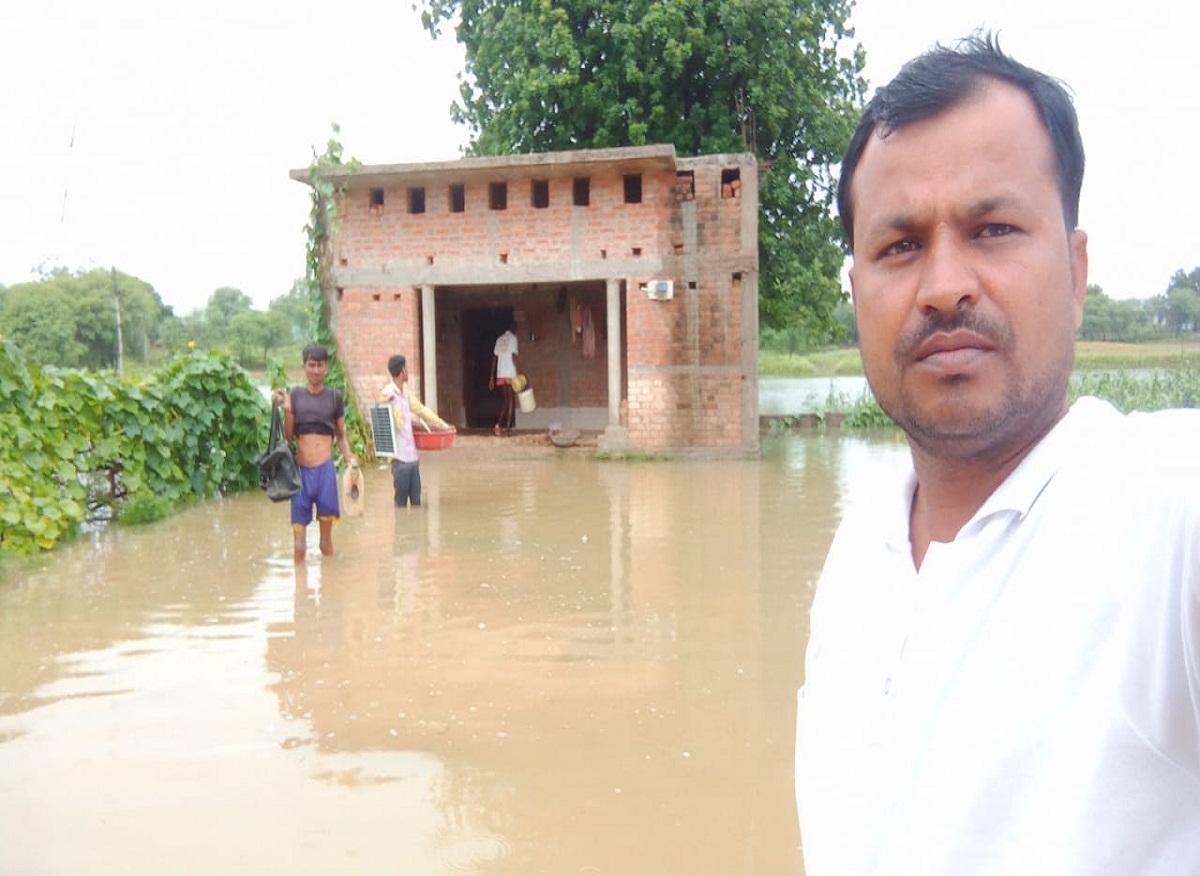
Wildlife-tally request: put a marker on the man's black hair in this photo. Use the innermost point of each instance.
(396, 364)
(943, 77)
(315, 351)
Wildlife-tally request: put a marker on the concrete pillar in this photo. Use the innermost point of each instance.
(429, 386)
(616, 436)
(613, 326)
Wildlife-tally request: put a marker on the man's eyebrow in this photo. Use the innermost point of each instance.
(908, 221)
(892, 223)
(990, 205)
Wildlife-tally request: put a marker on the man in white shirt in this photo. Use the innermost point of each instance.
(504, 371)
(406, 466)
(1003, 673)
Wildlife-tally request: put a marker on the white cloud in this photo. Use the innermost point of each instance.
(186, 121)
(159, 139)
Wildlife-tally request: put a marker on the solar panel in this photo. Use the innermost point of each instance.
(383, 435)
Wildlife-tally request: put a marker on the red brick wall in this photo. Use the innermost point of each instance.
(687, 369)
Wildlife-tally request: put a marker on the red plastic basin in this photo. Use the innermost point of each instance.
(432, 440)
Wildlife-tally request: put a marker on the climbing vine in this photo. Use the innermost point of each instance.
(322, 224)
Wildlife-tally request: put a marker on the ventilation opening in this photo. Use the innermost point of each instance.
(633, 188)
(498, 196)
(582, 191)
(731, 183)
(685, 185)
(416, 200)
(458, 198)
(539, 193)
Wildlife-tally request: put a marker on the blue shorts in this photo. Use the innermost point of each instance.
(319, 486)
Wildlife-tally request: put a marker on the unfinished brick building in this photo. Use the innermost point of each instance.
(631, 275)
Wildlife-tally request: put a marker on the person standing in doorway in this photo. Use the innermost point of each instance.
(406, 467)
(1003, 670)
(314, 416)
(504, 370)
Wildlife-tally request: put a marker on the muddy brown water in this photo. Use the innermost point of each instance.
(555, 666)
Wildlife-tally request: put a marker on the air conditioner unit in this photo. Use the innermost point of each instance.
(660, 290)
(383, 434)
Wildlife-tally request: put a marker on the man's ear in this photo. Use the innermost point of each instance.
(1077, 245)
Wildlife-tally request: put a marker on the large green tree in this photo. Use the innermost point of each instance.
(70, 319)
(295, 308)
(223, 305)
(775, 77)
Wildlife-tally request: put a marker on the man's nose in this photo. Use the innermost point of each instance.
(949, 280)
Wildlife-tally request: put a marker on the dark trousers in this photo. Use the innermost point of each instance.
(406, 480)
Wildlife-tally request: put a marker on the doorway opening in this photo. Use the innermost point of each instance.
(480, 328)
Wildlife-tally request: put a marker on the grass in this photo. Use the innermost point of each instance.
(1089, 356)
(839, 362)
(1147, 377)
(1102, 355)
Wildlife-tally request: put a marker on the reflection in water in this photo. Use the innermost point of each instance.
(555, 666)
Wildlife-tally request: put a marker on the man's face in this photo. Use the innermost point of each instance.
(967, 286)
(315, 371)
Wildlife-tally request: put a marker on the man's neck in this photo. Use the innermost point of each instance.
(951, 488)
(947, 495)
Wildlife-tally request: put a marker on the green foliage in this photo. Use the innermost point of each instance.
(294, 307)
(839, 362)
(770, 77)
(865, 413)
(630, 456)
(322, 223)
(70, 320)
(223, 306)
(1174, 314)
(253, 334)
(1138, 391)
(84, 448)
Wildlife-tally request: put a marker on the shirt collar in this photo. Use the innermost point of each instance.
(1020, 490)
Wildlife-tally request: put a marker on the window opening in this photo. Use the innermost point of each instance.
(458, 198)
(498, 196)
(633, 188)
(685, 185)
(582, 190)
(539, 193)
(416, 199)
(731, 183)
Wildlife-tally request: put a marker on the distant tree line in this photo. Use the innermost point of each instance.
(1175, 314)
(103, 318)
(70, 320)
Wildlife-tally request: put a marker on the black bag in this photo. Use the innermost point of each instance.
(278, 472)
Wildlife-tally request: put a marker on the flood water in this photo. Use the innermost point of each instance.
(556, 666)
(780, 396)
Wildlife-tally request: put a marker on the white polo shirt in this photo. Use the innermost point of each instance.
(1029, 702)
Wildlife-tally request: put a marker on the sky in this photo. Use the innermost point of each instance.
(157, 138)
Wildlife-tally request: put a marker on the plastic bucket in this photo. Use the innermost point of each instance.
(526, 400)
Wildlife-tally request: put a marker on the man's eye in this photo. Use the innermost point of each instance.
(996, 229)
(900, 247)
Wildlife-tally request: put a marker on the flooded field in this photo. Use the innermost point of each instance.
(555, 666)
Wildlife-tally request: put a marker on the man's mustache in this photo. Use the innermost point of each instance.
(996, 333)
